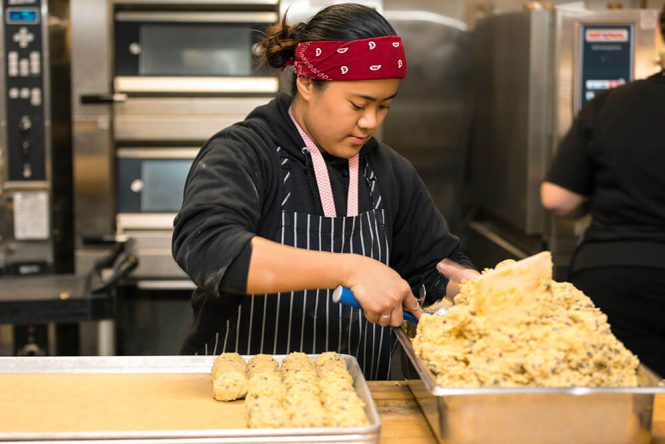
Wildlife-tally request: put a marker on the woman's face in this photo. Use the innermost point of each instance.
(342, 115)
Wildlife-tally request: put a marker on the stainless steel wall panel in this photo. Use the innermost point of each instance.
(541, 115)
(429, 121)
(303, 10)
(93, 168)
(448, 9)
(512, 118)
(93, 148)
(92, 53)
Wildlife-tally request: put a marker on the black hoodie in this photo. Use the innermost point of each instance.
(233, 193)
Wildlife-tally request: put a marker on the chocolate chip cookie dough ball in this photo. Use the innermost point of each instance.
(229, 379)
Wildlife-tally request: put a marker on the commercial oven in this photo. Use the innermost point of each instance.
(533, 71)
(153, 80)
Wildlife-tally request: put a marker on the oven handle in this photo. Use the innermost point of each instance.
(102, 99)
(195, 85)
(196, 17)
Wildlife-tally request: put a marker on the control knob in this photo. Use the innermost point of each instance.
(25, 123)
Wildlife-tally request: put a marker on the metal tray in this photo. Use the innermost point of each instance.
(178, 365)
(532, 414)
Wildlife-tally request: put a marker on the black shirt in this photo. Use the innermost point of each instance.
(615, 155)
(233, 193)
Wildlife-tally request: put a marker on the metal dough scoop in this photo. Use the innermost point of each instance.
(440, 307)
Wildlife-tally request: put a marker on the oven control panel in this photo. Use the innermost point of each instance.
(606, 58)
(26, 154)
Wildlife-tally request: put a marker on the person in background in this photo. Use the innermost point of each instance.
(611, 164)
(300, 198)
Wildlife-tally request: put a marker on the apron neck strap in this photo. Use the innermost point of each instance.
(323, 179)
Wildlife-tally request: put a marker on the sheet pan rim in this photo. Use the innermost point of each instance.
(181, 364)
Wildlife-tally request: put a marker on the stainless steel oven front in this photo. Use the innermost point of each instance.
(149, 193)
(149, 91)
(183, 72)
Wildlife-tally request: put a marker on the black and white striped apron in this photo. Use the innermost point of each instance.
(309, 321)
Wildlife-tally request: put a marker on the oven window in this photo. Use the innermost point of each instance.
(163, 184)
(195, 50)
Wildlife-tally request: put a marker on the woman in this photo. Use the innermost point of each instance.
(299, 198)
(611, 164)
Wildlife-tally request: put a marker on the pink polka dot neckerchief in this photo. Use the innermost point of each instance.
(323, 179)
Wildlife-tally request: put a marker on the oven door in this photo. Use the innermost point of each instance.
(150, 184)
(151, 180)
(191, 52)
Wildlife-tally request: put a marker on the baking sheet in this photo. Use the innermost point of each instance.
(533, 414)
(140, 399)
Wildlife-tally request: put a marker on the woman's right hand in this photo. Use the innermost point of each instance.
(380, 290)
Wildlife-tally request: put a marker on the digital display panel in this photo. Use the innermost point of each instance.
(22, 16)
(607, 59)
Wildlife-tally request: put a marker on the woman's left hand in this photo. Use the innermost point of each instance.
(456, 274)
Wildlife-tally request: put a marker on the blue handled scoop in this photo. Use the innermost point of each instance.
(343, 295)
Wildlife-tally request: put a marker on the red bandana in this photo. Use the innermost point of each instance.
(365, 59)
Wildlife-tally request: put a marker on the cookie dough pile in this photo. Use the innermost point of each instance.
(498, 336)
(302, 393)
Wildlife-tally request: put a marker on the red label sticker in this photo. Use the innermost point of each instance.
(606, 35)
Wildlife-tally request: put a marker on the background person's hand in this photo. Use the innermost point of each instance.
(381, 292)
(456, 274)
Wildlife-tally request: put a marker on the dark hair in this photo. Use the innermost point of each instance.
(345, 21)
